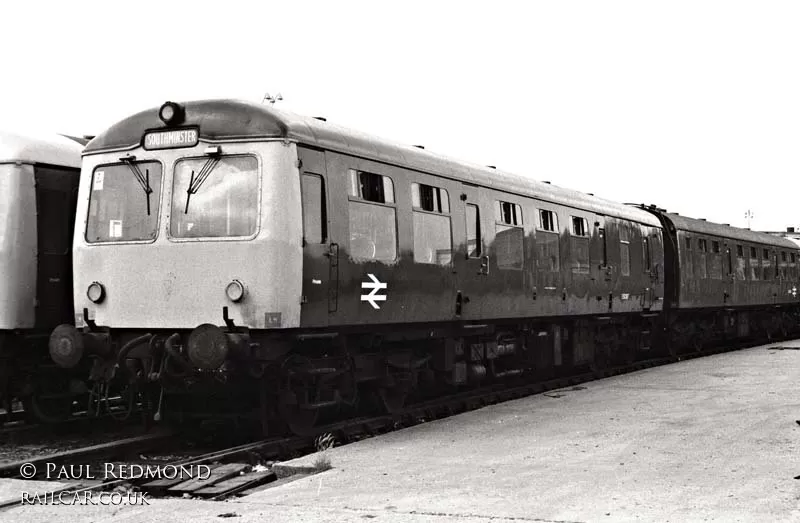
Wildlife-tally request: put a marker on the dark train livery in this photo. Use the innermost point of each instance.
(292, 267)
(38, 189)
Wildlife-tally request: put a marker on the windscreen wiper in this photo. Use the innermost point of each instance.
(195, 183)
(143, 179)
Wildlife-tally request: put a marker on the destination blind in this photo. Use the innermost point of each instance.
(171, 139)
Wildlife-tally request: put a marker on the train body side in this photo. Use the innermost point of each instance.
(38, 181)
(718, 266)
(578, 261)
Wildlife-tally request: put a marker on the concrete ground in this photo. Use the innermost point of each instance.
(712, 439)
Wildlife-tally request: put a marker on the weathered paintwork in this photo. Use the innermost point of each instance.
(234, 120)
(42, 148)
(332, 281)
(34, 281)
(180, 283)
(725, 279)
(429, 293)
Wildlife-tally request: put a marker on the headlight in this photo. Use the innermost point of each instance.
(235, 291)
(96, 292)
(171, 113)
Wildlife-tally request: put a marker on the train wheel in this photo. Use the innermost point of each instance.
(395, 390)
(298, 420)
(394, 399)
(44, 407)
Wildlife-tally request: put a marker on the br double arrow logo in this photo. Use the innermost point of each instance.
(373, 297)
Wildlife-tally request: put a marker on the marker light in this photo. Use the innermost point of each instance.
(235, 291)
(171, 113)
(96, 292)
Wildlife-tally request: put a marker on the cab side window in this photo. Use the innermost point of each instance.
(315, 222)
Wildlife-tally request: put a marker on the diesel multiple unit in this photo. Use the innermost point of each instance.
(262, 262)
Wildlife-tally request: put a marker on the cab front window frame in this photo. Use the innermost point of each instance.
(179, 186)
(95, 186)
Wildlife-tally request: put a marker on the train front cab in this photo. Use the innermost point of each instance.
(183, 245)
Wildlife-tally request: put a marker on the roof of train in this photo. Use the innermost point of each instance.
(726, 231)
(53, 149)
(223, 120)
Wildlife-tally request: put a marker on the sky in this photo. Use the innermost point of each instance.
(691, 105)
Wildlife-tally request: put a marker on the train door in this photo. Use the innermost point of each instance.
(728, 277)
(472, 259)
(56, 196)
(657, 264)
(647, 269)
(549, 258)
(320, 250)
(598, 259)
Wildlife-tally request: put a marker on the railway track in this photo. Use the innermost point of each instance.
(237, 469)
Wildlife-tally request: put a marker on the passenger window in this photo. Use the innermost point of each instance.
(473, 231)
(508, 213)
(373, 232)
(314, 212)
(373, 228)
(580, 226)
(548, 221)
(646, 254)
(702, 265)
(716, 261)
(371, 187)
(548, 252)
(792, 258)
(766, 265)
(432, 235)
(755, 265)
(432, 239)
(509, 236)
(429, 198)
(579, 245)
(509, 246)
(688, 259)
(741, 266)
